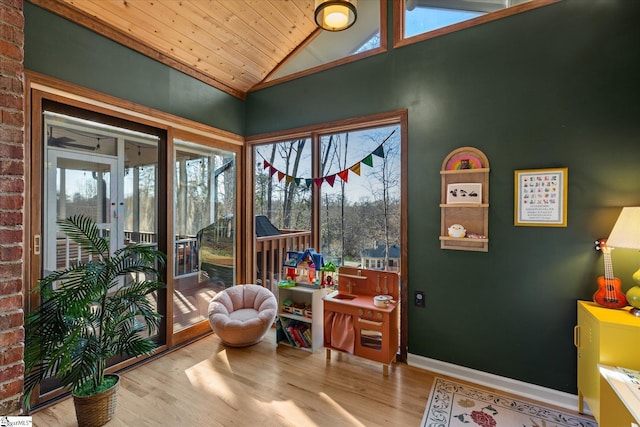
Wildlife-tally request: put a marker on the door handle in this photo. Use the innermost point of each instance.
(36, 244)
(576, 336)
(370, 322)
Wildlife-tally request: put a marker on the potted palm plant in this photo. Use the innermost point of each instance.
(96, 309)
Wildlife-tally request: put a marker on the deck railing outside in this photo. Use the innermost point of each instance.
(186, 260)
(271, 252)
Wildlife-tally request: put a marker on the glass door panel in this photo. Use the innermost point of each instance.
(360, 217)
(140, 184)
(76, 184)
(283, 189)
(205, 229)
(106, 173)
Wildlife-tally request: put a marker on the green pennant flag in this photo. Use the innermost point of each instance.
(368, 160)
(297, 181)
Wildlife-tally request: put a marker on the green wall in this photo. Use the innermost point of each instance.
(554, 87)
(64, 50)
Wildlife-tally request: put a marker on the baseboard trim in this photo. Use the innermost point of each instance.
(531, 391)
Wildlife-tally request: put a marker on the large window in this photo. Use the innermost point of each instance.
(282, 205)
(423, 19)
(325, 49)
(282, 187)
(419, 19)
(360, 211)
(338, 192)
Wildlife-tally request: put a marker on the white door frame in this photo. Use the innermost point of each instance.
(50, 208)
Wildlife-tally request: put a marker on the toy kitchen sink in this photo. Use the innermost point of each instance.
(361, 317)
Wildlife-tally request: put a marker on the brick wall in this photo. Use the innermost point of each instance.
(12, 171)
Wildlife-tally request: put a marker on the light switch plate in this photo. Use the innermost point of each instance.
(418, 298)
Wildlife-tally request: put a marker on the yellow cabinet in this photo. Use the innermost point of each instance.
(607, 337)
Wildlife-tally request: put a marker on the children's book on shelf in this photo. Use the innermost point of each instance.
(297, 333)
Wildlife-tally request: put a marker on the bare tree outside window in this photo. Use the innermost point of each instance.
(359, 187)
(362, 214)
(284, 196)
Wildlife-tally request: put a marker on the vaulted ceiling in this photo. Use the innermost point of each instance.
(230, 44)
(239, 45)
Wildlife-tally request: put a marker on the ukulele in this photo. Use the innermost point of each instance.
(609, 293)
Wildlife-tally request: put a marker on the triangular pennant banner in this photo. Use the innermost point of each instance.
(344, 175)
(379, 151)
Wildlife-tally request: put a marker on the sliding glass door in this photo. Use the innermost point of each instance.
(100, 171)
(141, 182)
(205, 229)
(104, 172)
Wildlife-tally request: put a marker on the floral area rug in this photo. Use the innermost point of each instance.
(452, 404)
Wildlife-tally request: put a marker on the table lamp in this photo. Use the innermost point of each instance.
(626, 234)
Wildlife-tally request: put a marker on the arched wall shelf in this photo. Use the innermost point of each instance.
(465, 199)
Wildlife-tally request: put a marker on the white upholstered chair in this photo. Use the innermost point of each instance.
(241, 315)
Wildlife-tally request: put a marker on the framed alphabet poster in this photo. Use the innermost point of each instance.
(541, 197)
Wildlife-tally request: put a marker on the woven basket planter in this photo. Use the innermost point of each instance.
(96, 410)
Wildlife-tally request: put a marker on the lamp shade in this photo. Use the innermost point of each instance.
(336, 15)
(626, 231)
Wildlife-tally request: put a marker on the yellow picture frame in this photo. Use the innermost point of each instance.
(540, 197)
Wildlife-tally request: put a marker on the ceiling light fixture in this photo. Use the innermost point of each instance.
(336, 15)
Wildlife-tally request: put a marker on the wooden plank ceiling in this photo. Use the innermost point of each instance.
(230, 44)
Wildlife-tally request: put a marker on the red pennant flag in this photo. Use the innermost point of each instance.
(280, 175)
(344, 175)
(265, 164)
(318, 181)
(330, 179)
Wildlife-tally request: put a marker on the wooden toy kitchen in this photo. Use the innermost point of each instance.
(361, 315)
(352, 310)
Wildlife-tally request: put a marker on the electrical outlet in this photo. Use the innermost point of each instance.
(418, 298)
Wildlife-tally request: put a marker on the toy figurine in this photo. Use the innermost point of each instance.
(457, 230)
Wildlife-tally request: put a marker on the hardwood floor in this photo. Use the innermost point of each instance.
(209, 384)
